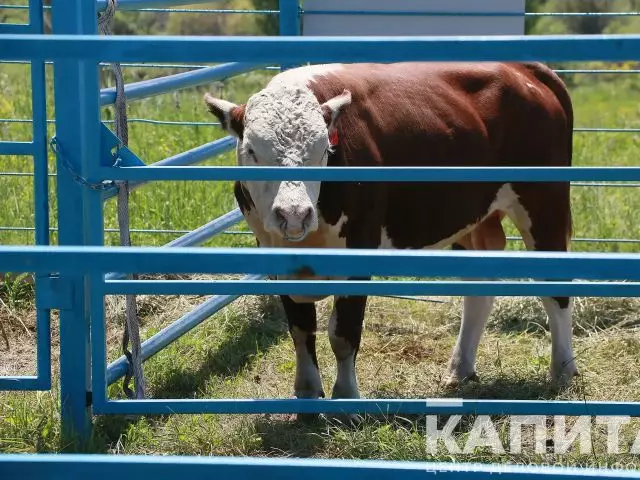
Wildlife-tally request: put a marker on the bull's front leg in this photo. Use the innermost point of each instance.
(302, 326)
(345, 331)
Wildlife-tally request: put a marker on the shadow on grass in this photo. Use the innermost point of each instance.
(281, 435)
(510, 388)
(535, 388)
(243, 341)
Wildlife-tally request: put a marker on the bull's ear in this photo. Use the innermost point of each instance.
(231, 116)
(331, 109)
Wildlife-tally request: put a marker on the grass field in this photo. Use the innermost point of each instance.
(245, 351)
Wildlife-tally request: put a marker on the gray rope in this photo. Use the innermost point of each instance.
(132, 328)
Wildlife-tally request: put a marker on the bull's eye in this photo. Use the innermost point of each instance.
(252, 154)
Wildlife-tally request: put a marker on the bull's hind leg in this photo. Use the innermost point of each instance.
(543, 218)
(475, 310)
(303, 326)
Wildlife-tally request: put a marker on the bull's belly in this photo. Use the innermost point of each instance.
(486, 228)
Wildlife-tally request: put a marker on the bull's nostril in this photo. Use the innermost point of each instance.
(306, 215)
(279, 213)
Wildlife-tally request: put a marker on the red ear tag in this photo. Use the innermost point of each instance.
(333, 138)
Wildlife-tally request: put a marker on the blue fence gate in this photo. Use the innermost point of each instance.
(75, 276)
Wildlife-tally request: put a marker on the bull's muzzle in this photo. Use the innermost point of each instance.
(294, 222)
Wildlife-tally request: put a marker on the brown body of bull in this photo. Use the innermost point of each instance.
(428, 114)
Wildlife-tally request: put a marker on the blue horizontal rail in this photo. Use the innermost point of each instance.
(269, 50)
(436, 406)
(25, 383)
(375, 174)
(177, 329)
(157, 86)
(16, 148)
(323, 262)
(101, 467)
(382, 287)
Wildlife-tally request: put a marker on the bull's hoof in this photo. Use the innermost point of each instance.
(454, 380)
(307, 417)
(563, 374)
(342, 391)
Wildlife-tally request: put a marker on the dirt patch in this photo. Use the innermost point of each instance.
(17, 342)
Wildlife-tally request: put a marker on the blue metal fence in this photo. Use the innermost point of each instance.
(76, 276)
(37, 150)
(101, 467)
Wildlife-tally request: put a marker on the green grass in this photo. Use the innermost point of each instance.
(165, 205)
(245, 352)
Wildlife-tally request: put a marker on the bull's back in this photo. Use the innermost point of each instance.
(460, 112)
(440, 114)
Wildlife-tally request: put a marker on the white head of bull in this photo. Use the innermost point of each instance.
(282, 125)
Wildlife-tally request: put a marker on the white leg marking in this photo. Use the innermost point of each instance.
(563, 367)
(346, 385)
(509, 203)
(308, 383)
(475, 312)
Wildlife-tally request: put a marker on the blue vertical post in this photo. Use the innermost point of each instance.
(289, 21)
(80, 217)
(41, 191)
